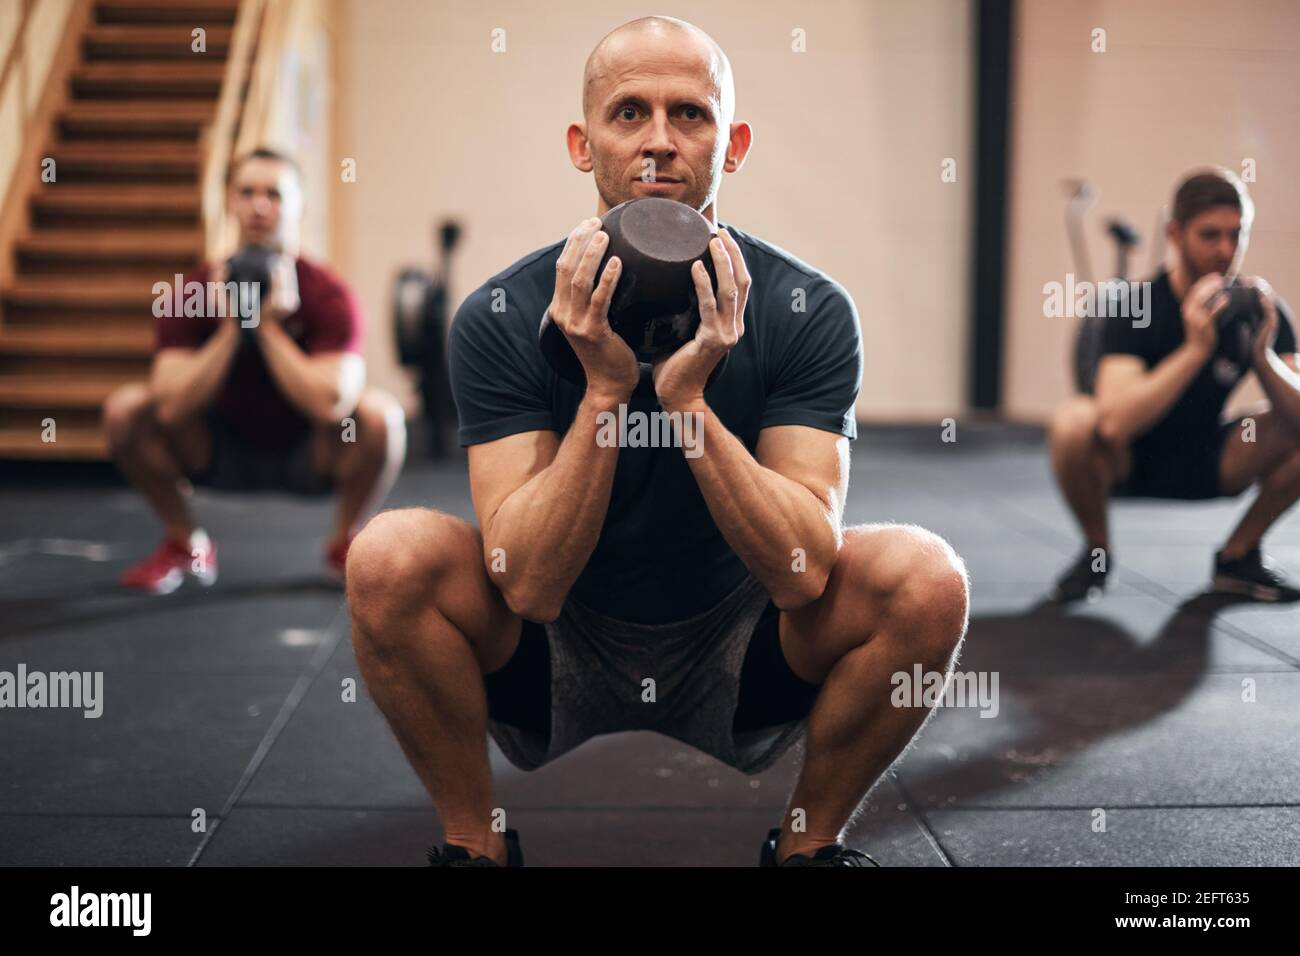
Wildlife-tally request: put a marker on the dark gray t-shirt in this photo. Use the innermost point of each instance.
(660, 557)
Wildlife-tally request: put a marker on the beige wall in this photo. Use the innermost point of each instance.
(1182, 83)
(845, 171)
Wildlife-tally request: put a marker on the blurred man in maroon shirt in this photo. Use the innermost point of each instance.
(270, 400)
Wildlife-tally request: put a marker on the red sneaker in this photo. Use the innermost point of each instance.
(164, 570)
(336, 557)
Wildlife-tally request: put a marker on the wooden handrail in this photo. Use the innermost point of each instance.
(219, 137)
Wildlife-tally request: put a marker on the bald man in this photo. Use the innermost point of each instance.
(712, 596)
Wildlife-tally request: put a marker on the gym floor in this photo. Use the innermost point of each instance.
(230, 700)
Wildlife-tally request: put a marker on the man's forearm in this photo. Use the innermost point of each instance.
(548, 528)
(307, 387)
(188, 389)
(1282, 385)
(786, 536)
(1133, 412)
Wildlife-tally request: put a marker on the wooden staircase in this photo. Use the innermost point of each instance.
(76, 321)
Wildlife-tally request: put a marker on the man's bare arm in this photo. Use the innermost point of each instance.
(325, 387)
(542, 502)
(1281, 382)
(1131, 400)
(185, 381)
(780, 512)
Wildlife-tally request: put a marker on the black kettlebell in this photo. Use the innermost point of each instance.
(1238, 323)
(654, 307)
(250, 265)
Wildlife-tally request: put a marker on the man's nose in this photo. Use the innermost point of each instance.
(262, 205)
(659, 136)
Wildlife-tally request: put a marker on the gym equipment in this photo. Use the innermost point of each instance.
(249, 266)
(654, 307)
(1088, 337)
(1238, 323)
(420, 324)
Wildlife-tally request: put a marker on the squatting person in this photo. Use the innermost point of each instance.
(716, 599)
(285, 408)
(1153, 427)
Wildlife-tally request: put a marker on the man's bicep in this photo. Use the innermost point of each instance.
(812, 457)
(497, 469)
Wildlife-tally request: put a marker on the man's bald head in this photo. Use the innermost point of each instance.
(636, 46)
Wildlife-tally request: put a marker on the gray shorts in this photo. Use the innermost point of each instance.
(681, 680)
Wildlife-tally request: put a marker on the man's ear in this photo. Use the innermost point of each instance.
(1174, 231)
(579, 147)
(738, 145)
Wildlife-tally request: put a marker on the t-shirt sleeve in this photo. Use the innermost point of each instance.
(1119, 336)
(498, 379)
(335, 322)
(818, 365)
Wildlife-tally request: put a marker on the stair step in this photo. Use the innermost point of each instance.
(147, 162)
(72, 444)
(88, 205)
(130, 342)
(157, 80)
(155, 253)
(53, 392)
(171, 42)
(197, 12)
(86, 295)
(160, 119)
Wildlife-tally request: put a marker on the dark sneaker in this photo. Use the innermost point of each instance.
(836, 854)
(450, 855)
(1081, 581)
(1250, 576)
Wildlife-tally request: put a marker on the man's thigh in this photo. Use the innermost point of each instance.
(1253, 447)
(190, 442)
(873, 564)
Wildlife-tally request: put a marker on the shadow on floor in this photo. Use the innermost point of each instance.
(1071, 680)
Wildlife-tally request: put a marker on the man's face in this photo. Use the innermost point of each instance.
(1208, 242)
(656, 125)
(266, 201)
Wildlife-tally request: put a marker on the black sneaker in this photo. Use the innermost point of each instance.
(1249, 576)
(1081, 581)
(451, 855)
(836, 854)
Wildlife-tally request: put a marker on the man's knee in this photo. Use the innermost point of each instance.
(1075, 425)
(124, 412)
(401, 558)
(380, 418)
(915, 575)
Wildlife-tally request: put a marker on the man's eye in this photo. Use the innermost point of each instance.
(626, 110)
(693, 112)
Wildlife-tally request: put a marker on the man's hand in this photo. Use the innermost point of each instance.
(680, 378)
(1201, 306)
(580, 307)
(283, 301)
